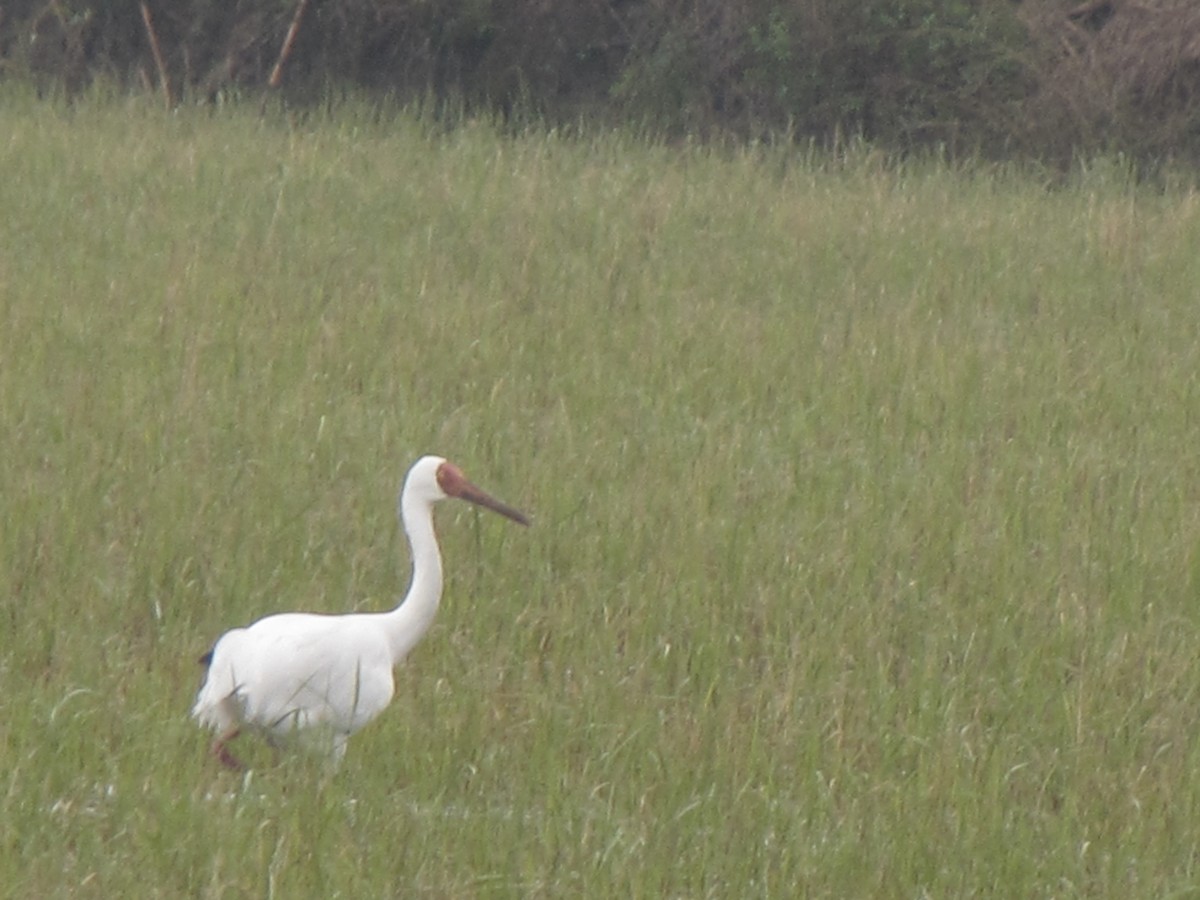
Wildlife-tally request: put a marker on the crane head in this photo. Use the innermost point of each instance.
(454, 483)
(433, 478)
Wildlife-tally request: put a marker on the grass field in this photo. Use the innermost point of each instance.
(866, 497)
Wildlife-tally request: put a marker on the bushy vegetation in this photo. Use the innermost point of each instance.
(1054, 79)
(866, 542)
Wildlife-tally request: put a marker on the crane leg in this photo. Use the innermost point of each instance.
(222, 752)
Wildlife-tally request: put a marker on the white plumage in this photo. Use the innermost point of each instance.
(329, 675)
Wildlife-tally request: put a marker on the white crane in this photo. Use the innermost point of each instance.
(333, 673)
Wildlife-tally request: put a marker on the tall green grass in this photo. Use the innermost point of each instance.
(866, 498)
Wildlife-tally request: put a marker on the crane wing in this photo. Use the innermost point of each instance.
(297, 671)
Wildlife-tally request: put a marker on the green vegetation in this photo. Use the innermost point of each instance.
(867, 512)
(1046, 80)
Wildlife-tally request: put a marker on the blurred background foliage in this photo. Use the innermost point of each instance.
(1047, 79)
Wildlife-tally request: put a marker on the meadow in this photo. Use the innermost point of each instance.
(866, 505)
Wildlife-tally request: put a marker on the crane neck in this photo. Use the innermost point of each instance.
(408, 622)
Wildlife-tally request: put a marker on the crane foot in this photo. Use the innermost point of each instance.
(223, 754)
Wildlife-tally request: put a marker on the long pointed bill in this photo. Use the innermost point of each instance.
(455, 484)
(475, 495)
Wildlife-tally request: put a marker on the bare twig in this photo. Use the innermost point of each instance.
(289, 41)
(164, 77)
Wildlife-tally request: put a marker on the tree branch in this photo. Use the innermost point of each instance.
(289, 41)
(164, 77)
